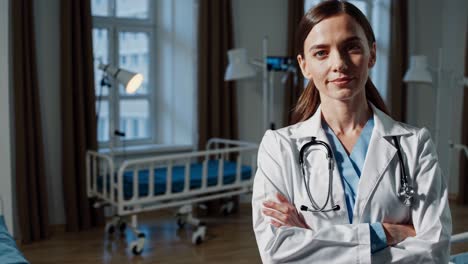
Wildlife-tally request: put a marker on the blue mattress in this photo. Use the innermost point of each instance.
(9, 252)
(178, 178)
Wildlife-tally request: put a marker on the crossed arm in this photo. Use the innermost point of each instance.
(284, 213)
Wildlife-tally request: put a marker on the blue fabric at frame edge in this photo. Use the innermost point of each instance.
(9, 252)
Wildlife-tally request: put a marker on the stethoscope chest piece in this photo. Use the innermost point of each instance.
(406, 193)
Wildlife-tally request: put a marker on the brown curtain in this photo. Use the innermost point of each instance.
(398, 58)
(31, 189)
(217, 104)
(78, 111)
(463, 161)
(292, 92)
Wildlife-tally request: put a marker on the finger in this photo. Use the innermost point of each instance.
(281, 198)
(276, 223)
(275, 214)
(283, 208)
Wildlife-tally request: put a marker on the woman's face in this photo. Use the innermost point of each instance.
(337, 57)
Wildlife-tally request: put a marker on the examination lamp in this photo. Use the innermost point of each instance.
(130, 80)
(240, 67)
(419, 71)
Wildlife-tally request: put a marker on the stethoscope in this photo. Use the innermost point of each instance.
(405, 192)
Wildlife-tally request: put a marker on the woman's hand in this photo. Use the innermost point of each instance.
(397, 233)
(283, 213)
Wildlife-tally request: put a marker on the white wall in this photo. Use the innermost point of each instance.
(6, 184)
(47, 27)
(253, 19)
(432, 25)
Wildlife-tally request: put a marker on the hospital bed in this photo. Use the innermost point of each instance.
(9, 252)
(225, 169)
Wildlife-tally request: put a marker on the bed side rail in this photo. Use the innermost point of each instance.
(459, 238)
(228, 142)
(100, 171)
(242, 150)
(221, 143)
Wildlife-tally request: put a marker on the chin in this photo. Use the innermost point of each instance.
(344, 94)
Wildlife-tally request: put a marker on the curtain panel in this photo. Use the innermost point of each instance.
(78, 112)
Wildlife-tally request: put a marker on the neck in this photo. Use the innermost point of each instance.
(346, 116)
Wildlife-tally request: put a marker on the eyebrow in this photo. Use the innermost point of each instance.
(321, 46)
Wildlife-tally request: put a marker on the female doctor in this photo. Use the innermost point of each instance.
(347, 183)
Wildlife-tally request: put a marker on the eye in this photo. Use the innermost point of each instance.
(320, 54)
(354, 48)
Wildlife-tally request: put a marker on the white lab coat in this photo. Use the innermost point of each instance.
(332, 238)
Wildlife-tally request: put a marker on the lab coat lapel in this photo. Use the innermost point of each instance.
(380, 153)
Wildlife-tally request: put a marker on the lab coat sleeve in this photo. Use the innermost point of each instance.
(430, 213)
(339, 243)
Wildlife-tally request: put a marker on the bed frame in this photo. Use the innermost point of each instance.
(105, 184)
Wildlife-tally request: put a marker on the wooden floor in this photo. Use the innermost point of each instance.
(229, 240)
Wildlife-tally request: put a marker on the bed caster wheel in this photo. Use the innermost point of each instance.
(199, 235)
(198, 240)
(110, 228)
(136, 250)
(180, 223)
(138, 245)
(227, 208)
(225, 212)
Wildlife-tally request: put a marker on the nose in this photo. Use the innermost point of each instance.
(338, 62)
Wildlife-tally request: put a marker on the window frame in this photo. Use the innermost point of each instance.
(114, 25)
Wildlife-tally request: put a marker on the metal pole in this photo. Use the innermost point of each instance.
(438, 101)
(265, 84)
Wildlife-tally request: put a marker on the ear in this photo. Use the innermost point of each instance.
(303, 64)
(373, 55)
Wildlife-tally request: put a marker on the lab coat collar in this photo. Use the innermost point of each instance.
(383, 124)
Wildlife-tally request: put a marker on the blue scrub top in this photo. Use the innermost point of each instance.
(350, 168)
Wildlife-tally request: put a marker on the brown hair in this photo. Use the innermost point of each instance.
(310, 99)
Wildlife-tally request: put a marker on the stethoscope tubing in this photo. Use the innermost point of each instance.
(316, 208)
(405, 192)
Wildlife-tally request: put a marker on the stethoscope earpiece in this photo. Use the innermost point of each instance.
(334, 208)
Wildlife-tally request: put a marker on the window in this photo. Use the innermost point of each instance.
(156, 39)
(378, 14)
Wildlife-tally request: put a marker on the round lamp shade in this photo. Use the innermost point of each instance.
(417, 72)
(130, 80)
(238, 67)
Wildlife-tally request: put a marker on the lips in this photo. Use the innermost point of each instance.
(342, 81)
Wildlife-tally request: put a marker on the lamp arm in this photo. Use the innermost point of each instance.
(257, 63)
(460, 147)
